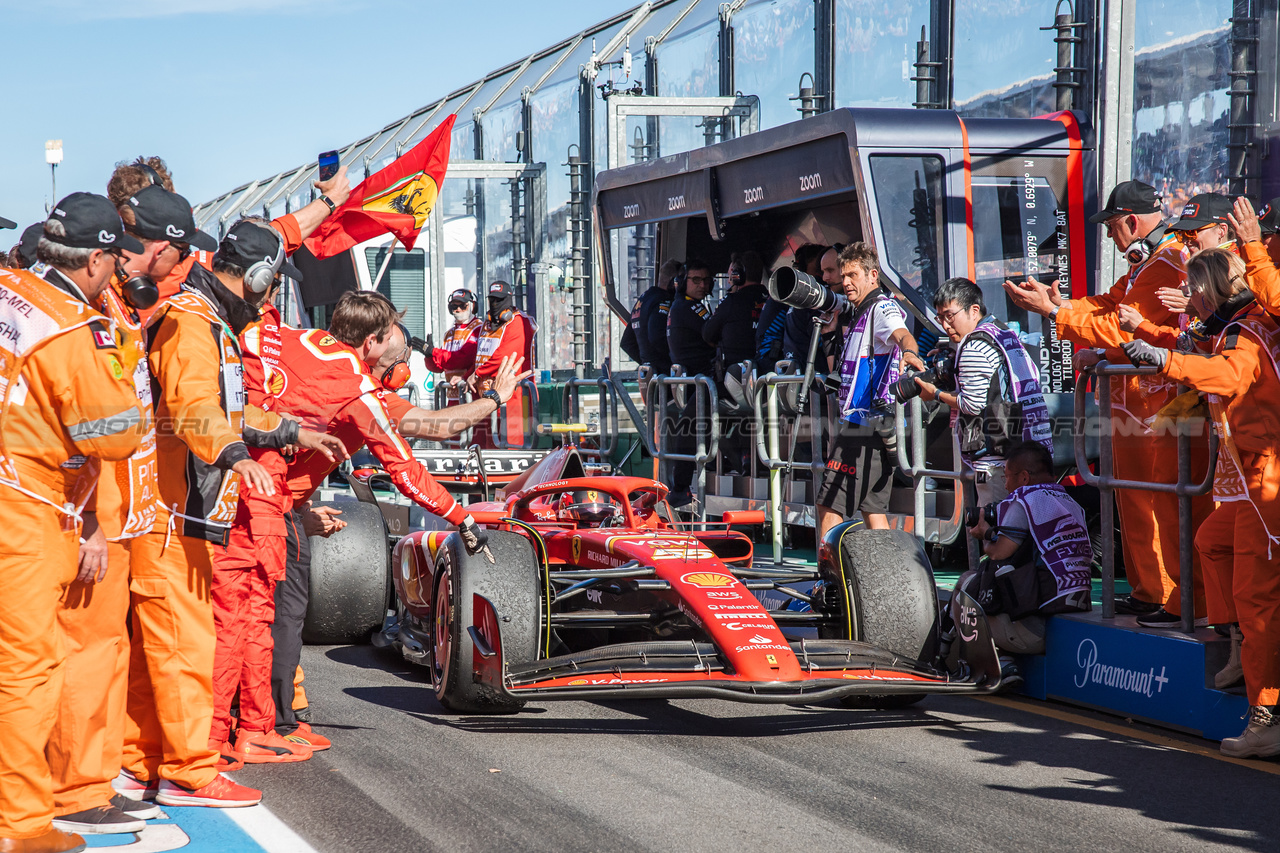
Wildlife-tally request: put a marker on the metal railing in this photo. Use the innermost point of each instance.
(706, 441)
(1106, 484)
(607, 425)
(914, 412)
(498, 420)
(769, 433)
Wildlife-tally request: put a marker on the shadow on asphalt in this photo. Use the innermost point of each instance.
(1216, 803)
(383, 660)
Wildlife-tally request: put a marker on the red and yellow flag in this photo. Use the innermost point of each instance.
(395, 200)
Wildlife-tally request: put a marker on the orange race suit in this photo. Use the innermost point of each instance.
(1239, 543)
(493, 343)
(1149, 520)
(88, 737)
(66, 401)
(456, 356)
(201, 433)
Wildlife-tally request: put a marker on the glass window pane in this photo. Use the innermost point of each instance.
(1180, 101)
(876, 52)
(914, 238)
(500, 127)
(772, 47)
(1003, 63)
(462, 144)
(689, 66)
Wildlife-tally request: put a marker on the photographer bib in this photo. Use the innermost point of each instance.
(1025, 417)
(870, 361)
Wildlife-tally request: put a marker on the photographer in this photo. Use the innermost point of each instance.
(859, 475)
(1039, 561)
(997, 387)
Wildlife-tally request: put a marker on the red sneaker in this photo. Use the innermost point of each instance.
(269, 748)
(134, 788)
(303, 735)
(228, 759)
(221, 793)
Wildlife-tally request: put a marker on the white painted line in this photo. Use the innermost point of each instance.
(268, 830)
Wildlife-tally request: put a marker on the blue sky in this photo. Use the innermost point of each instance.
(230, 90)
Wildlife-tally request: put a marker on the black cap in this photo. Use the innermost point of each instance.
(28, 241)
(7, 223)
(461, 295)
(1201, 210)
(500, 290)
(90, 221)
(161, 215)
(1269, 217)
(247, 243)
(1129, 197)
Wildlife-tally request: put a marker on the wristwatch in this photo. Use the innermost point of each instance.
(329, 201)
(493, 395)
(992, 534)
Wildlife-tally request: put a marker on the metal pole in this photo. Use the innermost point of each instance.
(1106, 499)
(1185, 529)
(386, 262)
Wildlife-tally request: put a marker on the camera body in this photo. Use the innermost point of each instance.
(974, 514)
(939, 370)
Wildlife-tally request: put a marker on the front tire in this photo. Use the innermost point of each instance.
(510, 583)
(884, 594)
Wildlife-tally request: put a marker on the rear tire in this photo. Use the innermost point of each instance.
(885, 595)
(511, 584)
(350, 578)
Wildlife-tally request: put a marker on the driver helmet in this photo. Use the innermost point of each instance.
(586, 505)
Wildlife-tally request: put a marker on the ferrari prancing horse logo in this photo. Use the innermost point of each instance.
(577, 548)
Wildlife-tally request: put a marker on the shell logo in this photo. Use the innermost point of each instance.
(577, 682)
(708, 580)
(276, 383)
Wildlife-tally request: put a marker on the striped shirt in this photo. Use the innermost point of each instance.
(979, 360)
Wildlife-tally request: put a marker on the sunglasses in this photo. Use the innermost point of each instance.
(458, 306)
(184, 250)
(1189, 237)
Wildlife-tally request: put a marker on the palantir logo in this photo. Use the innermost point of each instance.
(1117, 677)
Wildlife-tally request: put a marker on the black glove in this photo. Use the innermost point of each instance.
(474, 538)
(1143, 354)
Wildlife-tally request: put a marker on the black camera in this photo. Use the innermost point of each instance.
(974, 514)
(801, 290)
(939, 371)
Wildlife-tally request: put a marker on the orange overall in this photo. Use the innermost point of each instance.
(1239, 544)
(1149, 520)
(200, 413)
(66, 397)
(84, 751)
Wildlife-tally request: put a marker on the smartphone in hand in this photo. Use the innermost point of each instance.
(328, 165)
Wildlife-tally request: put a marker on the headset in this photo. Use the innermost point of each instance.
(1143, 248)
(139, 291)
(677, 281)
(260, 275)
(151, 174)
(397, 375)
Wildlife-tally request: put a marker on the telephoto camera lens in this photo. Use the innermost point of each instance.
(974, 513)
(906, 388)
(800, 290)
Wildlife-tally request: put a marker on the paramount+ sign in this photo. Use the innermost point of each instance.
(1154, 677)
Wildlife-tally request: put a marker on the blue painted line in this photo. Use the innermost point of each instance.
(206, 831)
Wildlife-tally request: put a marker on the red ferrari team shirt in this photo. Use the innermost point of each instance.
(324, 383)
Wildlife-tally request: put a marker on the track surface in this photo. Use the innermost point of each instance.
(950, 774)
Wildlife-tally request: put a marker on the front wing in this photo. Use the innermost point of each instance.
(686, 669)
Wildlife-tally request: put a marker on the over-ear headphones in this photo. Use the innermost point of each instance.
(261, 274)
(1143, 248)
(152, 174)
(139, 291)
(397, 375)
(678, 281)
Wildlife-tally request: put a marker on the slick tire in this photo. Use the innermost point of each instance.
(511, 584)
(350, 578)
(885, 596)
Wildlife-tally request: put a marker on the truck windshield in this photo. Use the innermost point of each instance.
(909, 197)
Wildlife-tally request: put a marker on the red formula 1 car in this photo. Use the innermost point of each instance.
(589, 588)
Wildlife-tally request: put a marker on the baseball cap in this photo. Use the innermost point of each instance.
(1129, 197)
(460, 296)
(28, 241)
(500, 290)
(90, 221)
(7, 223)
(1269, 217)
(247, 243)
(1201, 210)
(162, 215)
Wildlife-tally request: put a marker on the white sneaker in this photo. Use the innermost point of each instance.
(128, 785)
(1260, 739)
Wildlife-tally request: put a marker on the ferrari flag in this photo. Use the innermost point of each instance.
(395, 200)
